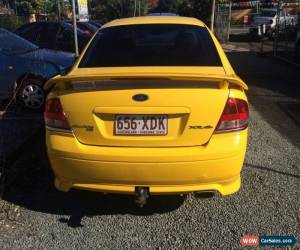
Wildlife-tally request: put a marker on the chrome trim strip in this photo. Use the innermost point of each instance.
(65, 131)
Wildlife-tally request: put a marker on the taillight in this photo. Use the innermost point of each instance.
(235, 116)
(55, 117)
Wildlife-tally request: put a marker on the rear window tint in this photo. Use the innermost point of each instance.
(151, 45)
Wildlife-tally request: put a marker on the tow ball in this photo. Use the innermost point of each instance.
(141, 196)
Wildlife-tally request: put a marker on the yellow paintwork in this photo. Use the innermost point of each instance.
(162, 169)
(155, 20)
(183, 161)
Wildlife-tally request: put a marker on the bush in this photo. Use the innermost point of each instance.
(12, 22)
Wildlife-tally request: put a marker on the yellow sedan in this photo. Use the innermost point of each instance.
(152, 106)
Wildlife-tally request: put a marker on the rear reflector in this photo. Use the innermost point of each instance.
(55, 117)
(235, 116)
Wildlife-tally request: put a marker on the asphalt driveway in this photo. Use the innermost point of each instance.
(36, 216)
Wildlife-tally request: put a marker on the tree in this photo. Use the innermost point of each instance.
(107, 10)
(26, 7)
(151, 4)
(166, 6)
(196, 8)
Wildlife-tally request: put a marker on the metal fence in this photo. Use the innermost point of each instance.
(222, 22)
(246, 25)
(286, 31)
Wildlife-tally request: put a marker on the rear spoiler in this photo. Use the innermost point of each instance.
(232, 79)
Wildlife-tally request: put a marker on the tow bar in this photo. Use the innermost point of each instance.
(141, 196)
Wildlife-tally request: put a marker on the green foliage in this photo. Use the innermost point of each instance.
(111, 9)
(53, 7)
(167, 6)
(107, 10)
(26, 7)
(195, 8)
(11, 22)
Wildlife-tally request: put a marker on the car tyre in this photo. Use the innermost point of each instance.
(31, 94)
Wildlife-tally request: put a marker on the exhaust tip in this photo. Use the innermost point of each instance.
(141, 196)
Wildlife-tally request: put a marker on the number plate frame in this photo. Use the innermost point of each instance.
(142, 116)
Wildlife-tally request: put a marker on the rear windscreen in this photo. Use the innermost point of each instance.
(151, 45)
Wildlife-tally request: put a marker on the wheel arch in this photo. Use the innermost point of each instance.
(30, 76)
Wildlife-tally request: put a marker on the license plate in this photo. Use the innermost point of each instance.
(141, 125)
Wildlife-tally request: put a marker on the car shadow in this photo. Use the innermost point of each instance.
(266, 72)
(42, 197)
(33, 189)
(270, 82)
(17, 125)
(248, 165)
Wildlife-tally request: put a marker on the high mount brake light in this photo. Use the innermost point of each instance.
(235, 116)
(55, 117)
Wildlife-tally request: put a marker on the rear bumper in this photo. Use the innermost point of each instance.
(165, 178)
(215, 166)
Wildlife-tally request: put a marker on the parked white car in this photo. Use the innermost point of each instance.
(270, 17)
